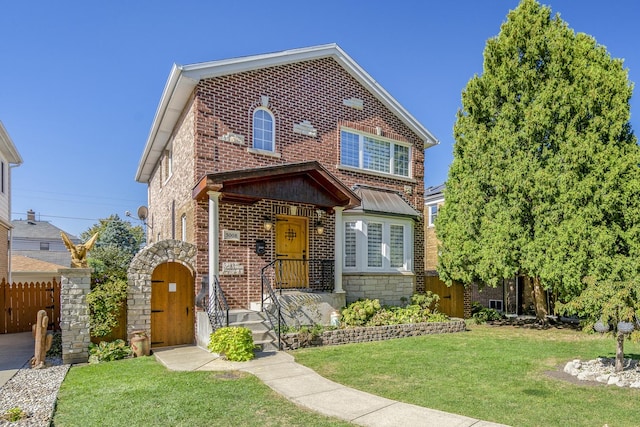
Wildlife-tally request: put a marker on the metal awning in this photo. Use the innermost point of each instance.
(382, 201)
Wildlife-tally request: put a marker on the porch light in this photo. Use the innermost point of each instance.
(319, 227)
(267, 224)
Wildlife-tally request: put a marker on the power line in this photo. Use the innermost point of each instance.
(61, 217)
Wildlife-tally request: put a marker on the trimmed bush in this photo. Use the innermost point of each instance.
(233, 342)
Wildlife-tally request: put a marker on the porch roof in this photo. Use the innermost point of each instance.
(305, 182)
(382, 201)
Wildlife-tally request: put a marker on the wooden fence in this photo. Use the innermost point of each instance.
(451, 298)
(20, 303)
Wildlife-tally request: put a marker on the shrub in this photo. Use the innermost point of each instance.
(438, 317)
(481, 314)
(108, 351)
(359, 312)
(235, 343)
(427, 301)
(56, 345)
(104, 301)
(369, 313)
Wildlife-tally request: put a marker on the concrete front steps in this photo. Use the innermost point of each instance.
(257, 322)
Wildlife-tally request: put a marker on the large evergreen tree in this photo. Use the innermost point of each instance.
(545, 180)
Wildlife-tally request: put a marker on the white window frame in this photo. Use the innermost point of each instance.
(167, 163)
(253, 131)
(361, 154)
(432, 217)
(183, 226)
(496, 304)
(361, 247)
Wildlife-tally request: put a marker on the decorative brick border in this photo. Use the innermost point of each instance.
(293, 341)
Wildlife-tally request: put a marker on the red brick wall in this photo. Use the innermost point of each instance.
(313, 91)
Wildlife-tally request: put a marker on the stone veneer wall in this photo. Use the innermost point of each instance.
(370, 333)
(139, 275)
(389, 289)
(74, 314)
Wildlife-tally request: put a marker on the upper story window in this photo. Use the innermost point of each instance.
(373, 153)
(263, 130)
(2, 184)
(167, 163)
(44, 246)
(433, 213)
(183, 227)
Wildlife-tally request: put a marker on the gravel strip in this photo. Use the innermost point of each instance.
(35, 392)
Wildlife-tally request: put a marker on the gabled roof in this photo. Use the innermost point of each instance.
(37, 230)
(7, 148)
(23, 264)
(434, 193)
(184, 78)
(305, 182)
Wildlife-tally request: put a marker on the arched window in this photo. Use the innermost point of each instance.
(263, 130)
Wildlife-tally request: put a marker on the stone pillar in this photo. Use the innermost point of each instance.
(74, 314)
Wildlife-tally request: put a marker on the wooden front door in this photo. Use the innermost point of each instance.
(451, 297)
(292, 248)
(172, 304)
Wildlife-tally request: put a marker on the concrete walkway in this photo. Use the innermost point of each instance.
(303, 386)
(15, 352)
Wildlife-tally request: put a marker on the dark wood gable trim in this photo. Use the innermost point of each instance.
(307, 182)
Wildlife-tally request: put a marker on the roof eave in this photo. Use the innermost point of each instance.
(9, 147)
(183, 79)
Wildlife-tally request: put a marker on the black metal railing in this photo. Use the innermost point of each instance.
(272, 308)
(292, 274)
(217, 307)
(313, 275)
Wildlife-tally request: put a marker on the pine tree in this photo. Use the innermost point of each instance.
(544, 181)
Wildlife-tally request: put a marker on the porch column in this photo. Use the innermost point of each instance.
(338, 249)
(214, 243)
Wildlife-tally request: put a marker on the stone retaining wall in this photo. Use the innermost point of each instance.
(293, 341)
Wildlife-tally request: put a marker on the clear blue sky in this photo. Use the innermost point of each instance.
(80, 81)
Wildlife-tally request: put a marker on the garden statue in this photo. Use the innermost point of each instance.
(79, 252)
(43, 340)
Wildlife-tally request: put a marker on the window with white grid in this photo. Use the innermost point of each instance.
(373, 153)
(396, 246)
(374, 245)
(263, 130)
(377, 244)
(350, 244)
(350, 149)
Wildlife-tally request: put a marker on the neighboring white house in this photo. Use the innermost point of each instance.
(40, 240)
(9, 157)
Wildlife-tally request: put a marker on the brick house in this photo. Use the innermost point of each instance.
(295, 169)
(9, 157)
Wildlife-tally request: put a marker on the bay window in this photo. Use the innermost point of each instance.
(378, 244)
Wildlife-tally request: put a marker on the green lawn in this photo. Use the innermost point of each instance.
(491, 373)
(141, 392)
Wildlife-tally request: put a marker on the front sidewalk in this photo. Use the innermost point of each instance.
(305, 387)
